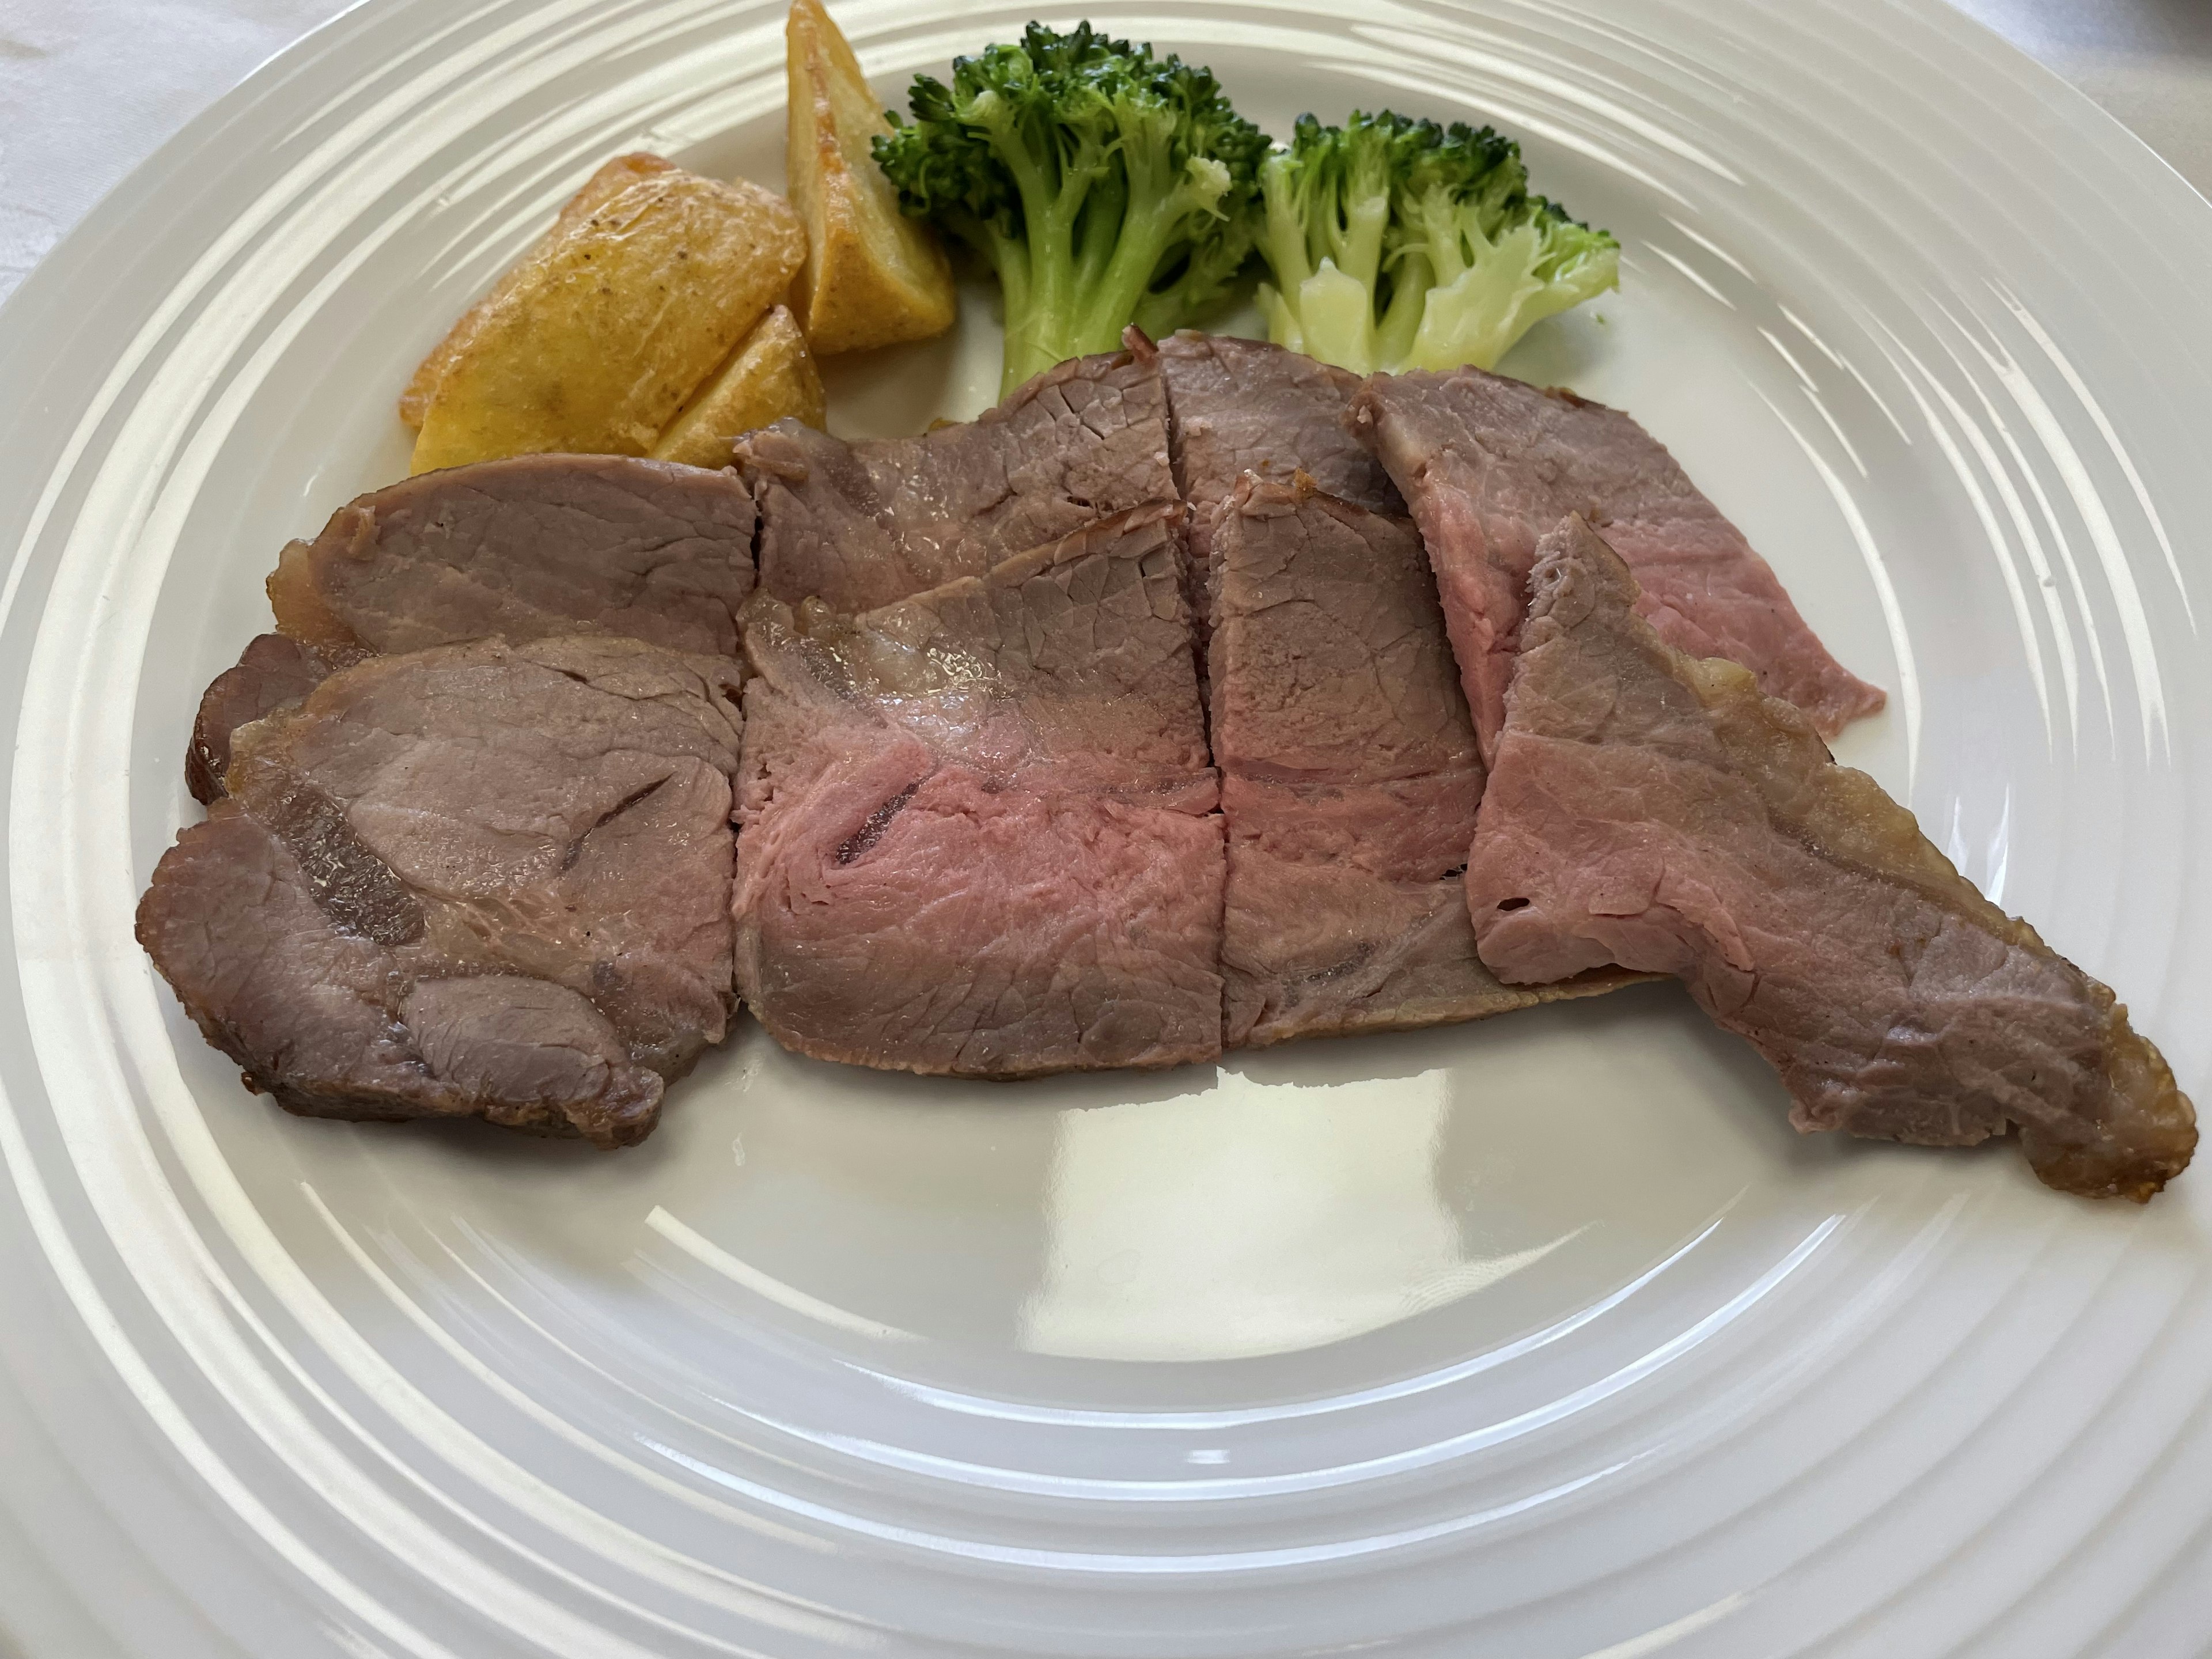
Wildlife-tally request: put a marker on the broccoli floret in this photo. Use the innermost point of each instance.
(1399, 243)
(1105, 186)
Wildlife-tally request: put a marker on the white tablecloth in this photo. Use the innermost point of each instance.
(91, 87)
(2149, 62)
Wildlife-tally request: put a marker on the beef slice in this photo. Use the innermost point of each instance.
(273, 672)
(482, 880)
(1237, 406)
(1657, 811)
(859, 525)
(526, 549)
(1489, 464)
(978, 835)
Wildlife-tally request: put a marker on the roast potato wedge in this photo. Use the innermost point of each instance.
(603, 335)
(873, 277)
(770, 375)
(602, 187)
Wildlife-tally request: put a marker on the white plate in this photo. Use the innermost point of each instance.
(1545, 1339)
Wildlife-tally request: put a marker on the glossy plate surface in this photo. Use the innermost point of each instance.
(1545, 1339)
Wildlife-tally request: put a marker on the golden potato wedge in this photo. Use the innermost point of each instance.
(602, 187)
(770, 376)
(873, 277)
(607, 334)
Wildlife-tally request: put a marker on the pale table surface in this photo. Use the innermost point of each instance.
(91, 87)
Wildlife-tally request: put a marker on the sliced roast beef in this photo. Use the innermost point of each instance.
(978, 835)
(1350, 778)
(859, 525)
(1490, 465)
(273, 672)
(484, 879)
(1238, 406)
(1652, 809)
(525, 549)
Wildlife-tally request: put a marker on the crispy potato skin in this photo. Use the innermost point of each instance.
(873, 277)
(602, 187)
(769, 377)
(598, 340)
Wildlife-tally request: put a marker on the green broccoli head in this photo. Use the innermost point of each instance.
(1400, 244)
(1106, 186)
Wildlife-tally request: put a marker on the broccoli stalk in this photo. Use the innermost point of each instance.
(1398, 244)
(1105, 186)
